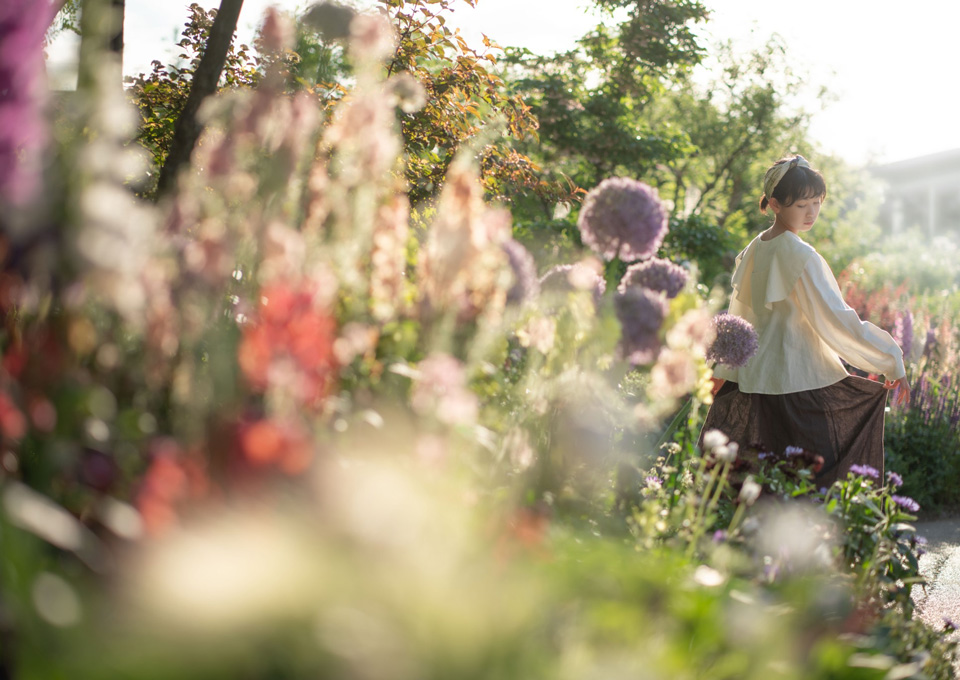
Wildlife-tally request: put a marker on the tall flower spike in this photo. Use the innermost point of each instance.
(23, 133)
(623, 218)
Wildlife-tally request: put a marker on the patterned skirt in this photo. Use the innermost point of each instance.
(842, 422)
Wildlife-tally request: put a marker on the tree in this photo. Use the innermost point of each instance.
(465, 101)
(161, 95)
(204, 84)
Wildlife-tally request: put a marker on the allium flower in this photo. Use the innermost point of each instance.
(641, 313)
(22, 88)
(895, 479)
(713, 439)
(736, 341)
(903, 332)
(906, 503)
(727, 453)
(623, 218)
(525, 286)
(577, 276)
(750, 491)
(656, 274)
(865, 471)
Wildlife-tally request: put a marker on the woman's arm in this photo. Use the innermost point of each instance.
(860, 343)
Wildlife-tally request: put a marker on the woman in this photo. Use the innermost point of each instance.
(795, 390)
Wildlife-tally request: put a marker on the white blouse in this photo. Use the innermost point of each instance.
(787, 291)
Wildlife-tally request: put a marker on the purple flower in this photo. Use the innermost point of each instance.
(22, 91)
(792, 451)
(641, 314)
(525, 286)
(656, 274)
(623, 218)
(865, 471)
(948, 625)
(719, 536)
(903, 331)
(906, 503)
(895, 479)
(930, 346)
(567, 277)
(736, 341)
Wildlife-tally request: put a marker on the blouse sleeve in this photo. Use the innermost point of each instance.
(859, 343)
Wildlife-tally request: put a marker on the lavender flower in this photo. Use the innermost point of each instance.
(641, 313)
(656, 274)
(906, 503)
(22, 87)
(525, 286)
(903, 332)
(865, 471)
(623, 218)
(895, 479)
(736, 341)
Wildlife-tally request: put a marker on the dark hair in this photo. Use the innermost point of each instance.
(797, 183)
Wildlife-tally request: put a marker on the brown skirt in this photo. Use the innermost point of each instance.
(842, 422)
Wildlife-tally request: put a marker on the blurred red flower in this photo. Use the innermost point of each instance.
(290, 344)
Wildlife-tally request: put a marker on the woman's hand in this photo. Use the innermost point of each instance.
(902, 387)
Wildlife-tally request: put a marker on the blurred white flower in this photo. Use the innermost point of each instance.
(713, 439)
(750, 491)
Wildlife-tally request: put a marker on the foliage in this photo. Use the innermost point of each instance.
(160, 95)
(922, 439)
(464, 101)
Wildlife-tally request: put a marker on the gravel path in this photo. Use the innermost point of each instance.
(940, 565)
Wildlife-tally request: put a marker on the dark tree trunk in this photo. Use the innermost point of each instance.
(205, 81)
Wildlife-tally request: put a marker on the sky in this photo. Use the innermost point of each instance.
(890, 71)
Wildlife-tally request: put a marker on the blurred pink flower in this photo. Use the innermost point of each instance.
(23, 131)
(441, 391)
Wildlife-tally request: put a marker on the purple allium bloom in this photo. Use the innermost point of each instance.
(525, 286)
(906, 503)
(623, 218)
(656, 274)
(641, 313)
(735, 343)
(903, 331)
(23, 24)
(865, 471)
(562, 277)
(895, 479)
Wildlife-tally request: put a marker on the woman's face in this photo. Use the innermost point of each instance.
(798, 216)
